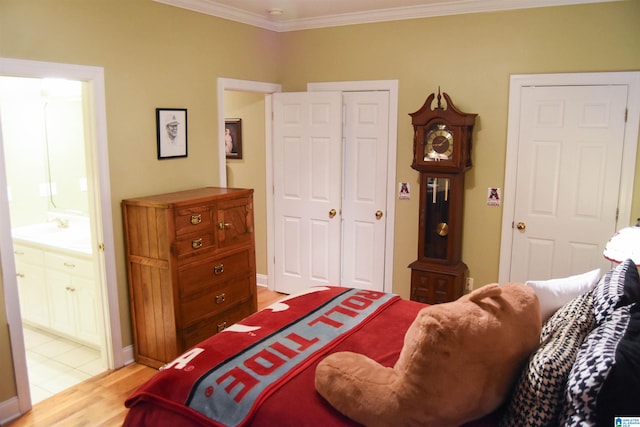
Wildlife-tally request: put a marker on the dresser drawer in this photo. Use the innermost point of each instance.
(212, 325)
(196, 243)
(212, 273)
(192, 219)
(216, 300)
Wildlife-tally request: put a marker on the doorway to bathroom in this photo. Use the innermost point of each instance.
(56, 235)
(44, 139)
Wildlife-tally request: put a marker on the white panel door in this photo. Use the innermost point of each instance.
(365, 139)
(569, 160)
(307, 189)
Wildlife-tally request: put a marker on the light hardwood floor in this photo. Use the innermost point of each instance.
(99, 401)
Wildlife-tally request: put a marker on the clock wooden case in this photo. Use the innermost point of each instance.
(442, 154)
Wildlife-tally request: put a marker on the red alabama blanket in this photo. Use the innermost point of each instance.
(218, 384)
(261, 371)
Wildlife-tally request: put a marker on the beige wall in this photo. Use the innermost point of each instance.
(159, 56)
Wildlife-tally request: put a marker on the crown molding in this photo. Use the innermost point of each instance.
(443, 8)
(213, 8)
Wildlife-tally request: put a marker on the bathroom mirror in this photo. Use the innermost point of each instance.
(43, 128)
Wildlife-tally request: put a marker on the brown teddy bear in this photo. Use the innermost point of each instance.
(458, 363)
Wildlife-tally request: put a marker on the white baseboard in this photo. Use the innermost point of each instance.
(262, 280)
(127, 355)
(9, 410)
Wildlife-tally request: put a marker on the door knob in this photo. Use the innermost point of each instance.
(521, 226)
(332, 213)
(379, 214)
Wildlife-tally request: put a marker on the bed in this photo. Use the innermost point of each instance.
(260, 371)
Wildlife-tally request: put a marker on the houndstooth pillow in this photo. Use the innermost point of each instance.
(538, 395)
(616, 288)
(595, 360)
(579, 310)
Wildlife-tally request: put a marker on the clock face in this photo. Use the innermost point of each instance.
(439, 144)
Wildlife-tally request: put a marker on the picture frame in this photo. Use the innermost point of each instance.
(171, 130)
(233, 138)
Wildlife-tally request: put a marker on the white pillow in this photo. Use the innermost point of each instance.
(555, 293)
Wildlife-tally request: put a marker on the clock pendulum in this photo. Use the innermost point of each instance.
(443, 227)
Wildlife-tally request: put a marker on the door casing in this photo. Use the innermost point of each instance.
(98, 153)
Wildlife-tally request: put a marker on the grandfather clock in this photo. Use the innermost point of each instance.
(442, 155)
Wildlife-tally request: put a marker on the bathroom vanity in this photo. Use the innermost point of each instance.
(56, 280)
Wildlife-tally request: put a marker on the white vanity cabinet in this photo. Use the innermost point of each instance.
(72, 297)
(32, 287)
(57, 292)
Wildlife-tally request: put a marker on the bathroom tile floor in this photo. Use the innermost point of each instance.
(55, 363)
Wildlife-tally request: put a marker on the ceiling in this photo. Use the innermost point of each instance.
(290, 15)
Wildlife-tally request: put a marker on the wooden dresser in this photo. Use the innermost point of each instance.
(191, 267)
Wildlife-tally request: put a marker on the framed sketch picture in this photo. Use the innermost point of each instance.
(171, 127)
(233, 138)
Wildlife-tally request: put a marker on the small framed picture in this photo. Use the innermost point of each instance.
(233, 138)
(171, 127)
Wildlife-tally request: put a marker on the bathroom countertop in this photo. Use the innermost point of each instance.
(70, 238)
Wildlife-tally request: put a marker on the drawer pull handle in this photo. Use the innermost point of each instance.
(20, 275)
(222, 225)
(18, 252)
(196, 243)
(220, 298)
(222, 326)
(70, 265)
(70, 289)
(218, 269)
(196, 219)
